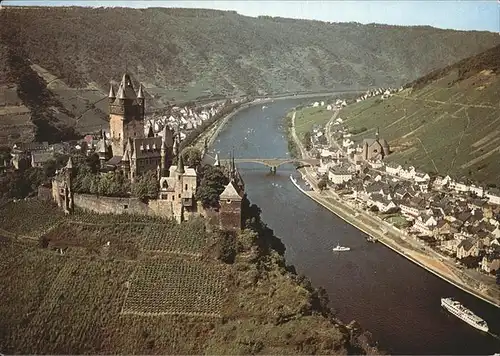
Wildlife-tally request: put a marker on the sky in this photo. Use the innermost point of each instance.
(454, 14)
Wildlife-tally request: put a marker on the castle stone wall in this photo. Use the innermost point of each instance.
(114, 205)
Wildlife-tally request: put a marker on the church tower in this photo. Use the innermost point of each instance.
(126, 115)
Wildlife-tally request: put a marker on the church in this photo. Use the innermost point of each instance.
(127, 147)
(375, 149)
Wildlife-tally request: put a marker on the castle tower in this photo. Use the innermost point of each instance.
(111, 95)
(126, 165)
(180, 166)
(140, 96)
(230, 202)
(68, 192)
(151, 132)
(126, 115)
(102, 149)
(217, 161)
(167, 148)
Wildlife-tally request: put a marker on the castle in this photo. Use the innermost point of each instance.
(130, 151)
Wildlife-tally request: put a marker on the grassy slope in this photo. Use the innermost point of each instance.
(306, 118)
(446, 121)
(90, 299)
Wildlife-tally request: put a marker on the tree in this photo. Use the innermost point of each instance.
(146, 186)
(212, 182)
(307, 140)
(93, 162)
(226, 247)
(322, 184)
(191, 156)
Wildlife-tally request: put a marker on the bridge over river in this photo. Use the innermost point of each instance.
(272, 163)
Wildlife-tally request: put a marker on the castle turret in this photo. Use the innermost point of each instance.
(230, 202)
(140, 96)
(111, 95)
(180, 166)
(164, 160)
(167, 148)
(68, 191)
(102, 149)
(126, 164)
(175, 148)
(151, 132)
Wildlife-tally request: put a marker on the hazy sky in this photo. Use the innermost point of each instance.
(464, 15)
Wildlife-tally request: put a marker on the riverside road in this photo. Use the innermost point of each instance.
(390, 296)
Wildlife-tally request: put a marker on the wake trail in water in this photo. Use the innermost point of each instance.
(494, 335)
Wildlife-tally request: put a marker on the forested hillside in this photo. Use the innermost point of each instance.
(210, 51)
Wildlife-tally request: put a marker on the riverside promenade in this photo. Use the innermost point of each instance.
(390, 236)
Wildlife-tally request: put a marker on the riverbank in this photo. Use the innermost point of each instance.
(213, 132)
(389, 235)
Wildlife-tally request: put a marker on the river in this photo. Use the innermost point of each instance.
(397, 301)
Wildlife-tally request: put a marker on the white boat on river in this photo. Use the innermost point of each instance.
(339, 248)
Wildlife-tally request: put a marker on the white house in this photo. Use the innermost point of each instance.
(408, 173)
(339, 175)
(393, 169)
(479, 191)
(490, 263)
(493, 196)
(421, 177)
(315, 105)
(425, 224)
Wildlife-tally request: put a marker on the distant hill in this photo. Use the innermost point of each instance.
(221, 51)
(183, 54)
(446, 122)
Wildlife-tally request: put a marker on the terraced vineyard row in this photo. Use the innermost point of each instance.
(184, 239)
(105, 219)
(83, 302)
(29, 217)
(176, 287)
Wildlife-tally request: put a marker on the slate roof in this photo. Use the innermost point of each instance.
(230, 192)
(467, 244)
(339, 171)
(149, 147)
(41, 157)
(114, 161)
(463, 216)
(32, 146)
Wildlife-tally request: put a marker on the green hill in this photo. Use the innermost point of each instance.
(143, 285)
(223, 52)
(445, 122)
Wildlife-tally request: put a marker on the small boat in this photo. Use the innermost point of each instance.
(339, 248)
(371, 239)
(263, 107)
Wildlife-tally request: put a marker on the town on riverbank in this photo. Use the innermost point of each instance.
(448, 227)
